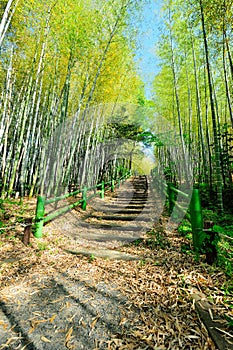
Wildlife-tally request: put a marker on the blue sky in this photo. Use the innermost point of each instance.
(147, 39)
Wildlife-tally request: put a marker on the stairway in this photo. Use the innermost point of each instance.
(65, 311)
(68, 310)
(120, 218)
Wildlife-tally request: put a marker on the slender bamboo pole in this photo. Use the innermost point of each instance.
(40, 209)
(196, 220)
(102, 190)
(84, 198)
(171, 197)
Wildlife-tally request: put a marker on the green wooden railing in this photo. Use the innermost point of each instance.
(205, 237)
(193, 213)
(99, 189)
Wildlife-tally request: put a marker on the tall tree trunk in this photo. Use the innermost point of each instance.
(229, 57)
(22, 114)
(214, 119)
(6, 19)
(226, 78)
(199, 113)
(184, 152)
(7, 118)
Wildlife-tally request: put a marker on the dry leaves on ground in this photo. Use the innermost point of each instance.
(159, 287)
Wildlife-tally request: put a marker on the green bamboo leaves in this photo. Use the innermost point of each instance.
(193, 89)
(59, 58)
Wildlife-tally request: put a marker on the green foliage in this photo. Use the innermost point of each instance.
(182, 94)
(230, 321)
(124, 130)
(141, 263)
(223, 220)
(42, 246)
(226, 230)
(68, 57)
(149, 138)
(223, 246)
(186, 248)
(91, 258)
(225, 256)
(185, 229)
(213, 243)
(228, 291)
(209, 215)
(138, 241)
(157, 240)
(2, 211)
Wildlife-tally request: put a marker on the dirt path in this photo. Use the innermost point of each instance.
(109, 294)
(63, 311)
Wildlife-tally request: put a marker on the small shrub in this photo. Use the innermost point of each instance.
(186, 248)
(157, 240)
(230, 321)
(185, 228)
(91, 258)
(210, 215)
(42, 246)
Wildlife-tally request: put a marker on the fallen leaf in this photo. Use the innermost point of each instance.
(46, 340)
(68, 335)
(92, 325)
(52, 318)
(3, 324)
(123, 321)
(34, 324)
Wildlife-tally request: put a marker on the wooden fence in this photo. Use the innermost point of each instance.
(99, 189)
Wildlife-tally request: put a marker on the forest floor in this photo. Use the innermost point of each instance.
(145, 298)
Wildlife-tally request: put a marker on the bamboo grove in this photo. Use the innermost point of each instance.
(72, 103)
(194, 90)
(64, 66)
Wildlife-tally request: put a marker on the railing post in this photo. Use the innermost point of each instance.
(39, 221)
(84, 198)
(102, 190)
(124, 176)
(196, 220)
(171, 197)
(113, 186)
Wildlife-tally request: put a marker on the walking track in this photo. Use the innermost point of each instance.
(94, 299)
(108, 224)
(67, 312)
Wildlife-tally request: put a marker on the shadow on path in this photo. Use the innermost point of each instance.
(62, 312)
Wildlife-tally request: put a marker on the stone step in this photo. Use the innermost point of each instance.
(127, 211)
(131, 201)
(119, 218)
(104, 253)
(112, 227)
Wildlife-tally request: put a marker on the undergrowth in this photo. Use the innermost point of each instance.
(224, 246)
(14, 211)
(155, 240)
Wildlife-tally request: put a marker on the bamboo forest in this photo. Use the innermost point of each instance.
(116, 174)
